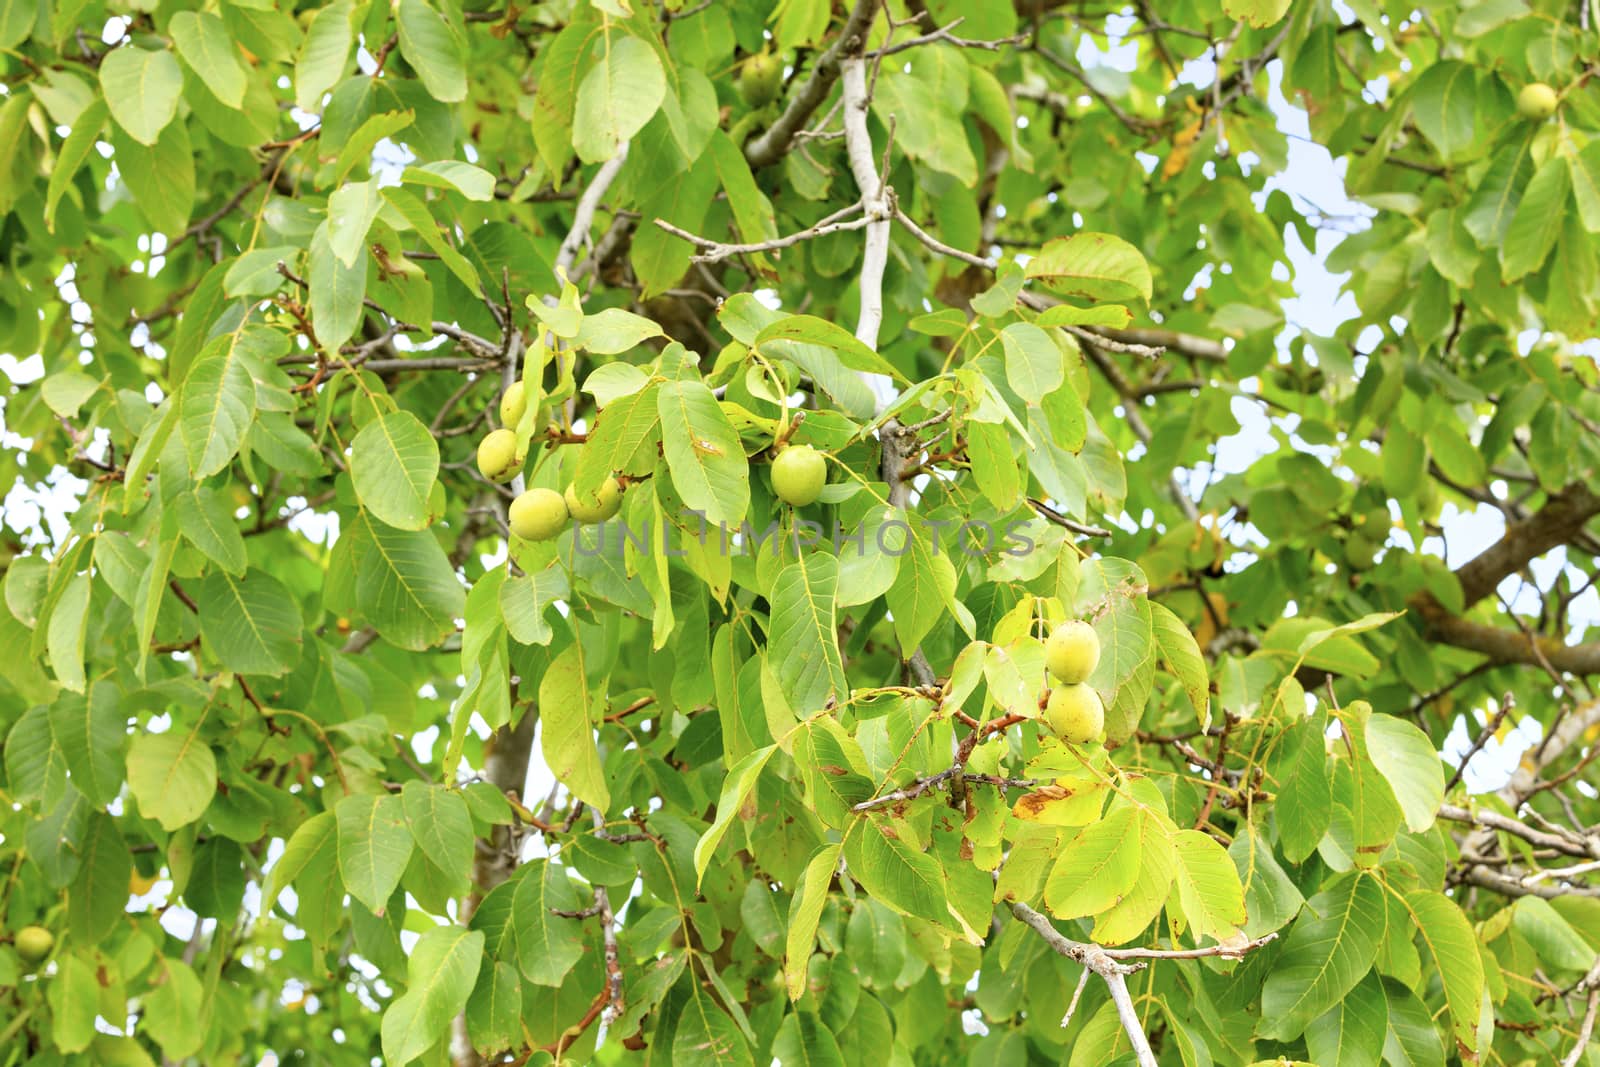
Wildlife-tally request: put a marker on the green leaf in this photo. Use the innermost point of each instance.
(208, 523)
(215, 407)
(322, 55)
(707, 1037)
(619, 94)
(752, 210)
(374, 847)
(69, 624)
(141, 88)
(1208, 886)
(1585, 172)
(741, 779)
(173, 776)
(1537, 223)
(1143, 901)
(440, 973)
(525, 600)
(1454, 948)
(400, 582)
(1444, 103)
(1351, 1033)
(17, 19)
(1409, 762)
(337, 291)
(474, 183)
(703, 452)
(75, 150)
(1305, 797)
(1410, 1039)
(251, 624)
(89, 733)
(1499, 191)
(494, 1011)
(567, 708)
(73, 993)
(203, 41)
(883, 857)
(1258, 13)
(394, 462)
(442, 828)
(548, 945)
(804, 1039)
(1099, 867)
(64, 392)
(808, 329)
(1093, 266)
(35, 762)
(55, 839)
(175, 1013)
(1330, 948)
(924, 585)
(613, 331)
(97, 898)
(1559, 946)
(416, 213)
(1033, 362)
(161, 177)
(431, 45)
(351, 210)
(1180, 655)
(314, 838)
(805, 912)
(803, 644)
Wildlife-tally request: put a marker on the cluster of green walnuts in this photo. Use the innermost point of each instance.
(538, 514)
(1073, 710)
(798, 475)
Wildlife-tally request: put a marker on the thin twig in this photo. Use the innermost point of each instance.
(716, 251)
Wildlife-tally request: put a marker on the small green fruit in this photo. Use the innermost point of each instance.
(513, 404)
(1074, 713)
(1537, 101)
(760, 78)
(596, 506)
(798, 475)
(1071, 652)
(497, 456)
(1361, 551)
(538, 515)
(34, 944)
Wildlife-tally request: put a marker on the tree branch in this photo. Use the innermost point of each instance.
(1562, 517)
(716, 251)
(775, 143)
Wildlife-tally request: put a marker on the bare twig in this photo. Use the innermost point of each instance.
(942, 35)
(1050, 514)
(716, 251)
(1488, 731)
(1585, 1031)
(939, 246)
(583, 213)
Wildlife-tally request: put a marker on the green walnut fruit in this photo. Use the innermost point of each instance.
(596, 506)
(1074, 713)
(538, 515)
(798, 475)
(1361, 551)
(1071, 652)
(760, 79)
(1537, 101)
(34, 944)
(513, 404)
(497, 456)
